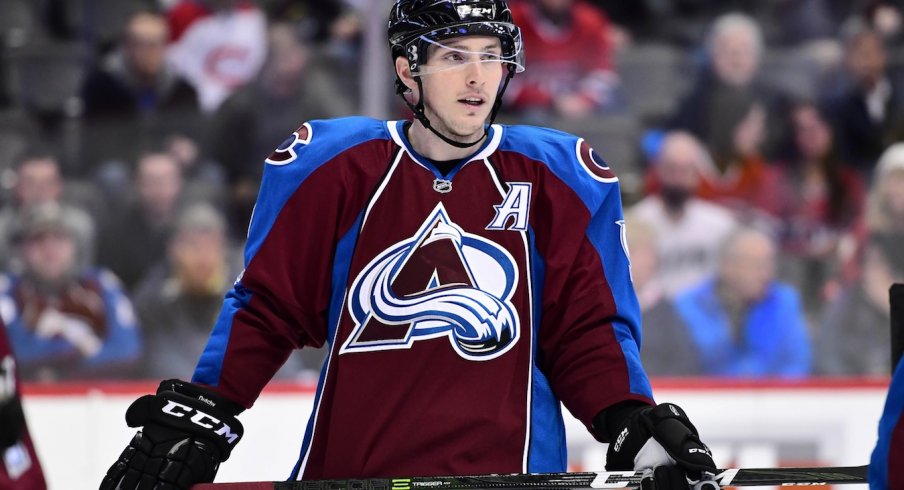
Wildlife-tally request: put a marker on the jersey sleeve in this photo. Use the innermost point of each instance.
(281, 299)
(589, 337)
(885, 470)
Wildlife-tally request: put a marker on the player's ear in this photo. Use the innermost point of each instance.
(403, 70)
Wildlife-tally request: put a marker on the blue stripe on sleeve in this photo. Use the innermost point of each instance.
(210, 363)
(341, 264)
(609, 222)
(547, 451)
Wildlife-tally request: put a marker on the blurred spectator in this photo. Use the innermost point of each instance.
(181, 297)
(868, 112)
(884, 211)
(827, 201)
(340, 55)
(743, 180)
(569, 52)
(853, 336)
(726, 89)
(315, 18)
(798, 22)
(38, 180)
(65, 321)
(218, 45)
(744, 322)
(252, 121)
(133, 99)
(667, 349)
(21, 468)
(690, 231)
(631, 21)
(135, 238)
(684, 22)
(885, 205)
(886, 18)
(205, 178)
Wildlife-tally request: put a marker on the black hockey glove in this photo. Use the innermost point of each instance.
(188, 431)
(662, 439)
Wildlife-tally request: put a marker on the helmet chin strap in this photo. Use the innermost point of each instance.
(418, 110)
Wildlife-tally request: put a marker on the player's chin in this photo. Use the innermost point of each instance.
(472, 123)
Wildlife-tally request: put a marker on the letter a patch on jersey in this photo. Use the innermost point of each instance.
(442, 282)
(516, 206)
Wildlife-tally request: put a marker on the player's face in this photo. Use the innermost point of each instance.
(461, 79)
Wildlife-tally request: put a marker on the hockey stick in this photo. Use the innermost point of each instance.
(740, 477)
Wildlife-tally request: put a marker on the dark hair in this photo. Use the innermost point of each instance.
(839, 202)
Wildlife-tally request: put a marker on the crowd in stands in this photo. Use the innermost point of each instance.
(760, 147)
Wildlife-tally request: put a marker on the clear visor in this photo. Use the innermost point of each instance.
(453, 54)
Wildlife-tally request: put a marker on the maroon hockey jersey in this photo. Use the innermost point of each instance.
(458, 309)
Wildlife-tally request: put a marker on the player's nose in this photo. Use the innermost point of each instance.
(476, 74)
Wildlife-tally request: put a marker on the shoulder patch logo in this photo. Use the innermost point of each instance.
(441, 282)
(593, 163)
(285, 153)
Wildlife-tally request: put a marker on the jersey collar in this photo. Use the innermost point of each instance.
(397, 132)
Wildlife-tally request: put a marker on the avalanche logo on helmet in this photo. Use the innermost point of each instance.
(442, 282)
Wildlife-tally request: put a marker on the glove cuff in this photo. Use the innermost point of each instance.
(189, 409)
(201, 394)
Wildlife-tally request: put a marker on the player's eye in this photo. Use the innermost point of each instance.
(454, 57)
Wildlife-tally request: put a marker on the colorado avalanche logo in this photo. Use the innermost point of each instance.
(594, 165)
(285, 153)
(442, 282)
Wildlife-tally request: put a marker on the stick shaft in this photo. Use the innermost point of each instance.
(587, 480)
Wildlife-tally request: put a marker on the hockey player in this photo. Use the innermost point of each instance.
(19, 466)
(466, 277)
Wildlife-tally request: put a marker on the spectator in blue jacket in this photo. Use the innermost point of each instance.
(744, 322)
(63, 320)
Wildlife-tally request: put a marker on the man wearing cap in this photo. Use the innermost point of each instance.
(64, 321)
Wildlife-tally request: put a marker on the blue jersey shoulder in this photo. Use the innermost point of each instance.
(569, 157)
(321, 140)
(310, 147)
